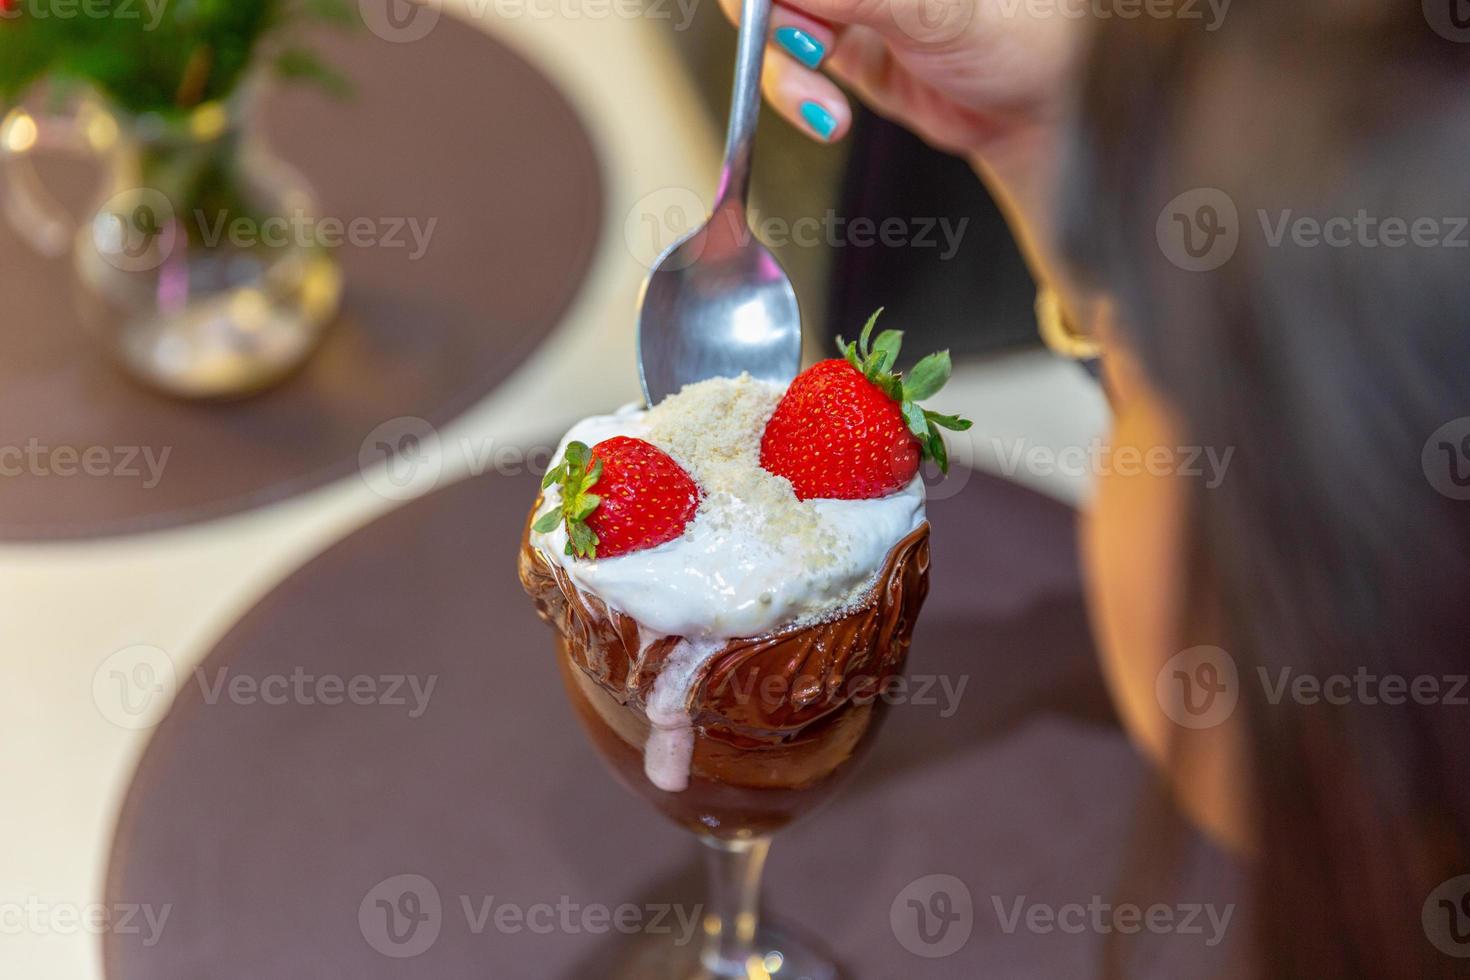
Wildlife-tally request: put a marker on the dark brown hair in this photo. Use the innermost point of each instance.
(1328, 549)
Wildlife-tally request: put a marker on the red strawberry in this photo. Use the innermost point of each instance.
(852, 428)
(643, 497)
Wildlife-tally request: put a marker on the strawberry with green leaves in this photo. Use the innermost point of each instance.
(643, 498)
(852, 428)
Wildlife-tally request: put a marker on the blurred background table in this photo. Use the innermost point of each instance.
(454, 133)
(67, 608)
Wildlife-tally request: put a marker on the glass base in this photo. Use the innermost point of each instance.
(660, 957)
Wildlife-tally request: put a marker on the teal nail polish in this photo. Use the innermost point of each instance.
(801, 46)
(819, 119)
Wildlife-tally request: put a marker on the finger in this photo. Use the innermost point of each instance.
(809, 100)
(909, 23)
(794, 34)
(931, 25)
(863, 61)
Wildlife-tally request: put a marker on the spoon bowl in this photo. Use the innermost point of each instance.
(718, 303)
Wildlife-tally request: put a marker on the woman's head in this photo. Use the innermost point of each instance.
(1277, 209)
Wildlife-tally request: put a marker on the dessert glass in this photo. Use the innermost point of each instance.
(757, 733)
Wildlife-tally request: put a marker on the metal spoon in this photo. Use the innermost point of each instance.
(717, 302)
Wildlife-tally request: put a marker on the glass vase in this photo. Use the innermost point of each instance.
(199, 267)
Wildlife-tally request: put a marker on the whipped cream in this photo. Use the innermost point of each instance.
(754, 559)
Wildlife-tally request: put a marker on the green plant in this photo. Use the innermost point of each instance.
(158, 56)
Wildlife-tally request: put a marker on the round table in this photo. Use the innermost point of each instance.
(449, 819)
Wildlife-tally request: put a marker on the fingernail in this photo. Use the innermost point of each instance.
(801, 46)
(819, 119)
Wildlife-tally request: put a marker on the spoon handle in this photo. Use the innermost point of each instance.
(745, 103)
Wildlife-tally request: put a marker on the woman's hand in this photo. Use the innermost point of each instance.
(966, 75)
(984, 79)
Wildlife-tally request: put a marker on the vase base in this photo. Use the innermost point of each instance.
(222, 343)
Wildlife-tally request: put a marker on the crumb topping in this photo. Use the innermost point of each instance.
(713, 429)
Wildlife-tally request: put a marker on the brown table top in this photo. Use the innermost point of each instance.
(265, 828)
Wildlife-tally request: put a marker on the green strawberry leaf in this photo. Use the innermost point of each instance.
(948, 421)
(927, 377)
(870, 364)
(886, 347)
(868, 330)
(575, 475)
(850, 352)
(937, 450)
(586, 504)
(581, 541)
(875, 360)
(913, 415)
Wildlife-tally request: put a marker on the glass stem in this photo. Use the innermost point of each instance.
(734, 869)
